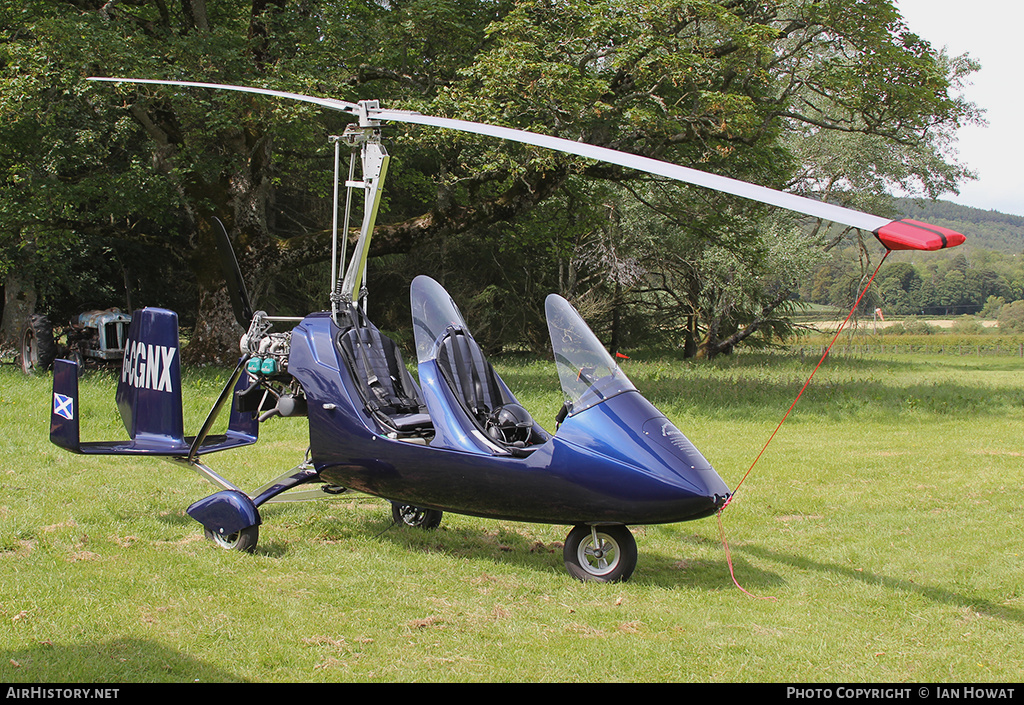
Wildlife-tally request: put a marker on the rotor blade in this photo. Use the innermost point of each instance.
(894, 234)
(233, 274)
(330, 103)
(800, 204)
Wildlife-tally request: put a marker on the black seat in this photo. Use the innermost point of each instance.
(388, 390)
(473, 380)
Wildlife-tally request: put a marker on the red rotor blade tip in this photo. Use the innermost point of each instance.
(914, 235)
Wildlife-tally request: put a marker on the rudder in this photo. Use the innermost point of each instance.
(149, 392)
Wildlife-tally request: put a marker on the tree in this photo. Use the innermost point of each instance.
(246, 161)
(898, 286)
(149, 167)
(63, 208)
(1011, 317)
(739, 88)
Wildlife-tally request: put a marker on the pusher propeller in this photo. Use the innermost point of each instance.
(233, 274)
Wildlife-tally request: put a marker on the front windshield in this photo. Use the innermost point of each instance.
(433, 312)
(587, 372)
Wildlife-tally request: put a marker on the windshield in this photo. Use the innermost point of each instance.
(433, 312)
(587, 372)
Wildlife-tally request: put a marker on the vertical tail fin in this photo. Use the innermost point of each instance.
(64, 412)
(149, 393)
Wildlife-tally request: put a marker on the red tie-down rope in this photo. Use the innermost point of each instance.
(721, 528)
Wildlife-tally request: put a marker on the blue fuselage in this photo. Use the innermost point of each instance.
(620, 461)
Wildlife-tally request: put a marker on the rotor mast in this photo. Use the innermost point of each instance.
(363, 138)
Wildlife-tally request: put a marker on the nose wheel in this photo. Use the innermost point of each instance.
(604, 554)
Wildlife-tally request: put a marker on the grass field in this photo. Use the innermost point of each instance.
(878, 539)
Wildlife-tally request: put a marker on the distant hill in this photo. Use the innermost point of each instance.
(986, 230)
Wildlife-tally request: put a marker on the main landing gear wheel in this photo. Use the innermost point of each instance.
(244, 540)
(603, 554)
(408, 515)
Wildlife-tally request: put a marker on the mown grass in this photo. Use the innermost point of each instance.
(878, 539)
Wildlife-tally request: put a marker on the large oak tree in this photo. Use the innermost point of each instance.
(766, 91)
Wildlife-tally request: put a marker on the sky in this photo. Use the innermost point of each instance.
(990, 32)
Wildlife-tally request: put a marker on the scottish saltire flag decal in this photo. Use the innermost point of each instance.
(64, 406)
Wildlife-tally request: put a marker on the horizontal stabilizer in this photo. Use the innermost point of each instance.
(149, 399)
(65, 430)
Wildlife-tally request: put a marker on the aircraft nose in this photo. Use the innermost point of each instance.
(683, 459)
(653, 471)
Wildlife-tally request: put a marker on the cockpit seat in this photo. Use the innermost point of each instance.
(469, 374)
(389, 391)
(473, 380)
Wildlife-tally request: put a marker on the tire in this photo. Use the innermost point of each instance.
(602, 554)
(408, 515)
(244, 540)
(38, 347)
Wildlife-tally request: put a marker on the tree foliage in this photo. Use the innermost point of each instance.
(976, 278)
(831, 98)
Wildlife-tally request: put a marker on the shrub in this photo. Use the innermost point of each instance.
(912, 326)
(992, 306)
(968, 325)
(1011, 317)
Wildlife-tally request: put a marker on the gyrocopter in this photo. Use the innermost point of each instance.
(455, 440)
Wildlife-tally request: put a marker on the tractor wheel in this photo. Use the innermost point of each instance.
(38, 347)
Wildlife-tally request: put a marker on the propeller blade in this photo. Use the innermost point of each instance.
(236, 285)
(893, 234)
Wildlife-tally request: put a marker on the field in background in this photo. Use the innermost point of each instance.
(878, 539)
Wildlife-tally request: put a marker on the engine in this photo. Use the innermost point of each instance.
(268, 350)
(273, 391)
